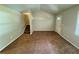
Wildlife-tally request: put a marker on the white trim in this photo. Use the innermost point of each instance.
(69, 41)
(12, 41)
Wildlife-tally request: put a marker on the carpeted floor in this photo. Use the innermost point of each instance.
(40, 43)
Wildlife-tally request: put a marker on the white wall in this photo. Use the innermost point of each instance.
(11, 26)
(43, 21)
(69, 21)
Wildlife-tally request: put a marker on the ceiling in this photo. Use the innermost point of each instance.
(52, 8)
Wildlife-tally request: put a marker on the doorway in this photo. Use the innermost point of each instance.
(58, 24)
(27, 21)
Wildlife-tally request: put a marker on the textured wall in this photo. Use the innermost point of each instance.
(43, 21)
(11, 26)
(69, 21)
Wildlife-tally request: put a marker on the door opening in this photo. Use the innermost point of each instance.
(26, 17)
(58, 24)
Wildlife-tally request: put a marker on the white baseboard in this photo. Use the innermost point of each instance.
(12, 40)
(69, 41)
(42, 30)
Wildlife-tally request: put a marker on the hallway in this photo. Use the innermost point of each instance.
(40, 43)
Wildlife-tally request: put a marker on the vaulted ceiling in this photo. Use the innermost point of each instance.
(53, 8)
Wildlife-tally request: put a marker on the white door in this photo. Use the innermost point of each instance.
(58, 24)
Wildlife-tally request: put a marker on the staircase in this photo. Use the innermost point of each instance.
(27, 30)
